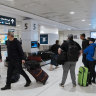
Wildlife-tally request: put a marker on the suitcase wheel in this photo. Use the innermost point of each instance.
(36, 80)
(44, 83)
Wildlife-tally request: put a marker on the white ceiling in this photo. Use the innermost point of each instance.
(58, 10)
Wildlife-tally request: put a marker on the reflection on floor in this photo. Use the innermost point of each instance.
(50, 89)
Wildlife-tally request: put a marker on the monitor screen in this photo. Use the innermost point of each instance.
(3, 39)
(34, 44)
(93, 35)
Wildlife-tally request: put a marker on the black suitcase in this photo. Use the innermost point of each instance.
(15, 77)
(32, 65)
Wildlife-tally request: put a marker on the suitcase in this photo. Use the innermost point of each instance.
(32, 65)
(45, 55)
(35, 58)
(83, 76)
(15, 77)
(39, 75)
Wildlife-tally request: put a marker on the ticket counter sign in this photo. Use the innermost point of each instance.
(7, 21)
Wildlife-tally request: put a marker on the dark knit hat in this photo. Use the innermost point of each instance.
(92, 39)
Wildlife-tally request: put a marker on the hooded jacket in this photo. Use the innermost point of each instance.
(89, 51)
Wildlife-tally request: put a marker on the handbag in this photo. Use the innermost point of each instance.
(62, 58)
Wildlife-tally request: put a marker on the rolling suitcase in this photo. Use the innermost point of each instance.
(33, 67)
(35, 58)
(39, 75)
(15, 77)
(83, 76)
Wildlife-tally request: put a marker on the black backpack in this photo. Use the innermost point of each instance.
(73, 52)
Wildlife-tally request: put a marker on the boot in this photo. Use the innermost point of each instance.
(7, 87)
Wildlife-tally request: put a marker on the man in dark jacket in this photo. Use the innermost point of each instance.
(54, 49)
(73, 51)
(0, 54)
(85, 44)
(16, 59)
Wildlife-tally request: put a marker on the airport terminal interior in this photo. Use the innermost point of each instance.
(37, 24)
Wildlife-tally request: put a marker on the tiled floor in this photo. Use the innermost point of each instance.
(50, 89)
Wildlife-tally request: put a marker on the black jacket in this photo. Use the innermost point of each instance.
(0, 52)
(64, 46)
(14, 50)
(85, 44)
(54, 48)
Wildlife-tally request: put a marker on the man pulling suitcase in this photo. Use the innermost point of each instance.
(16, 58)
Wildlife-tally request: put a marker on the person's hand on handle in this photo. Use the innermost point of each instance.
(23, 61)
(59, 51)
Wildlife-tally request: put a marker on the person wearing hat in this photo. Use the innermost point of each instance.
(89, 51)
(71, 61)
(16, 59)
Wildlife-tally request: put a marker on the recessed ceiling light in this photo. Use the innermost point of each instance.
(90, 24)
(18, 25)
(72, 12)
(10, 0)
(83, 20)
(69, 29)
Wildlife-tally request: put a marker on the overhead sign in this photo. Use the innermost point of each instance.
(7, 21)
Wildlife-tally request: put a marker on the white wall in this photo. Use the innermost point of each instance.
(63, 35)
(52, 32)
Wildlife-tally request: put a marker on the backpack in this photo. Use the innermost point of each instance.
(73, 52)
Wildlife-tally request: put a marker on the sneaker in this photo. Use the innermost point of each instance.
(62, 85)
(27, 84)
(6, 87)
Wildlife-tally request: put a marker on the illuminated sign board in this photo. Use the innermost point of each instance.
(7, 21)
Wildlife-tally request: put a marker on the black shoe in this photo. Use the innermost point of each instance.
(93, 82)
(62, 85)
(27, 84)
(6, 87)
(90, 83)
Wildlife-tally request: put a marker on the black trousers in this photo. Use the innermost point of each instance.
(54, 60)
(17, 65)
(91, 67)
(84, 60)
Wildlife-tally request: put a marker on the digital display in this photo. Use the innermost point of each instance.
(93, 35)
(3, 39)
(34, 44)
(7, 21)
(44, 39)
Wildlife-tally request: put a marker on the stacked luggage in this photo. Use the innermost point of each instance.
(40, 55)
(33, 67)
(83, 76)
